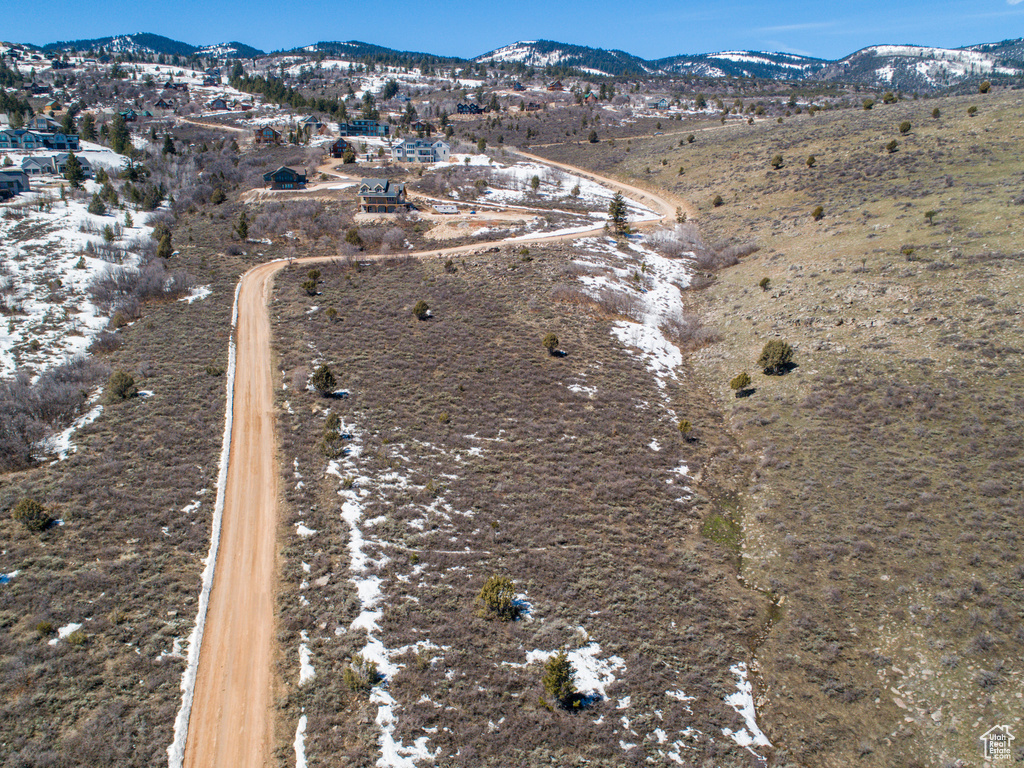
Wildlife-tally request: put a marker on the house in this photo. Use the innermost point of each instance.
(285, 178)
(38, 166)
(64, 142)
(266, 135)
(422, 127)
(338, 148)
(163, 104)
(421, 151)
(13, 182)
(129, 115)
(533, 106)
(60, 162)
(517, 86)
(661, 104)
(170, 85)
(42, 124)
(556, 86)
(21, 138)
(382, 196)
(364, 128)
(220, 104)
(212, 71)
(209, 80)
(53, 106)
(446, 208)
(470, 109)
(310, 125)
(590, 99)
(245, 107)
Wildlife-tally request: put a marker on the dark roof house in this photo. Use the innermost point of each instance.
(285, 178)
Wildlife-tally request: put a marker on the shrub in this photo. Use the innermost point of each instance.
(930, 217)
(776, 162)
(775, 357)
(763, 283)
(892, 146)
(332, 314)
(717, 201)
(972, 111)
(32, 515)
(593, 137)
(811, 161)
(217, 196)
(77, 638)
(352, 237)
(740, 383)
(497, 599)
(361, 674)
(324, 381)
(869, 103)
(690, 139)
(984, 86)
(550, 342)
(889, 98)
(121, 386)
(936, 113)
(45, 628)
(905, 127)
(685, 429)
(558, 678)
(818, 213)
(421, 310)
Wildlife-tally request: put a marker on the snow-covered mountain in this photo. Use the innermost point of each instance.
(541, 54)
(896, 67)
(771, 66)
(918, 68)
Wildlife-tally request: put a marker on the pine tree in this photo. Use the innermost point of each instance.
(242, 227)
(120, 138)
(497, 599)
(324, 381)
(96, 206)
(617, 214)
(558, 678)
(169, 145)
(73, 171)
(165, 250)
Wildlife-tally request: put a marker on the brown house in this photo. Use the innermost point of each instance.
(266, 135)
(382, 196)
(285, 178)
(338, 148)
(556, 86)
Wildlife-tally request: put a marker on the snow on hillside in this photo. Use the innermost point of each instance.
(45, 277)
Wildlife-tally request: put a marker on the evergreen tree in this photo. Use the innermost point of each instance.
(775, 357)
(169, 145)
(73, 171)
(558, 678)
(324, 381)
(120, 138)
(242, 227)
(165, 250)
(67, 123)
(96, 206)
(617, 214)
(497, 599)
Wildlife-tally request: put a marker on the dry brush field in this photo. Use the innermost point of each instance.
(885, 509)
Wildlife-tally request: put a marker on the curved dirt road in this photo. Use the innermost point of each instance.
(231, 723)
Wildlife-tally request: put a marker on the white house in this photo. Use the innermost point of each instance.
(421, 151)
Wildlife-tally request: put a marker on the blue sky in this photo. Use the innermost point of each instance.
(648, 28)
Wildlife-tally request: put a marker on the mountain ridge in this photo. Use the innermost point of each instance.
(900, 67)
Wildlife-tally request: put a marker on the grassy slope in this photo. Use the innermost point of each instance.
(570, 501)
(126, 562)
(884, 509)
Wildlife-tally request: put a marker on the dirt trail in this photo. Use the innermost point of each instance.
(232, 718)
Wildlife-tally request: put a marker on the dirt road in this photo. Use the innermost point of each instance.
(231, 724)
